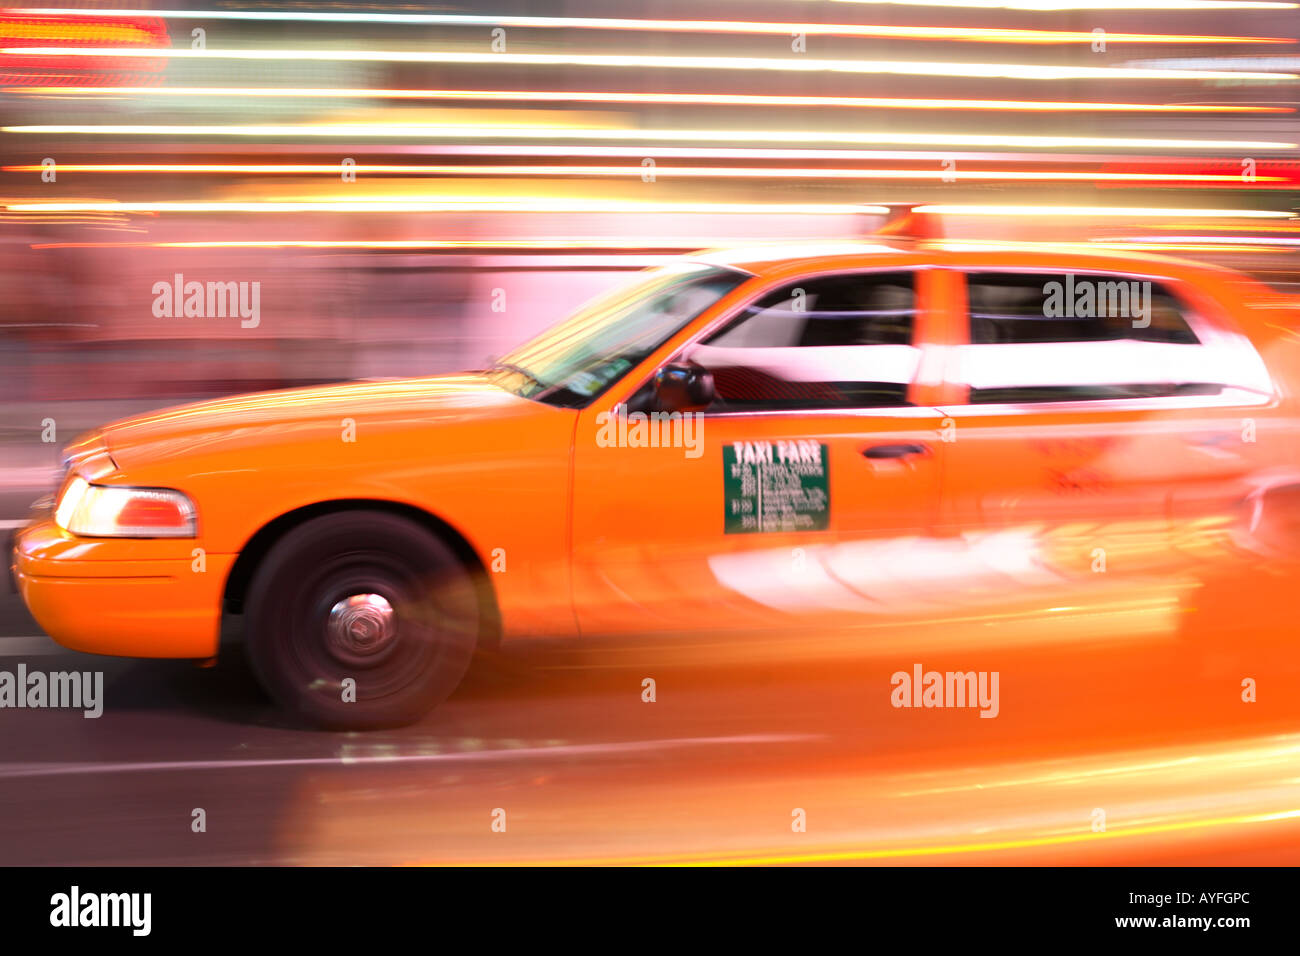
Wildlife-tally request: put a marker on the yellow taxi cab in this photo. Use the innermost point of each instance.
(878, 431)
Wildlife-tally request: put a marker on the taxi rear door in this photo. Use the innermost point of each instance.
(1080, 421)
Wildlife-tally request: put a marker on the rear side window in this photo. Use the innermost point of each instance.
(840, 341)
(1016, 308)
(1041, 337)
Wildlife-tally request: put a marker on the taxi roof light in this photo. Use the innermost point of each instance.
(909, 222)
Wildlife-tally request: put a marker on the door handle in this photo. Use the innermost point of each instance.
(903, 450)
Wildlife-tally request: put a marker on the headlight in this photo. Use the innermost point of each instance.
(109, 511)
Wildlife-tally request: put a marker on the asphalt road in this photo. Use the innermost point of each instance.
(559, 746)
(1100, 753)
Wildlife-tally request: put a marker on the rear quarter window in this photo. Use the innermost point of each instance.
(1052, 337)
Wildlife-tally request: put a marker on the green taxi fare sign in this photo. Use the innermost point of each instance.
(776, 486)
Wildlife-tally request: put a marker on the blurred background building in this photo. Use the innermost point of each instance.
(419, 187)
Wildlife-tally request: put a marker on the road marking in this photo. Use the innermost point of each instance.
(26, 771)
(30, 646)
(780, 857)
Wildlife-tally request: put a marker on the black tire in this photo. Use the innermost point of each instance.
(315, 617)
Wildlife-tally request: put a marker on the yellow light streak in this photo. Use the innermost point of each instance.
(691, 99)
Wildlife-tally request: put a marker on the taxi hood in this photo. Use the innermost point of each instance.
(262, 416)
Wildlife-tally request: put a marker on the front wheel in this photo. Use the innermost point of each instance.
(360, 620)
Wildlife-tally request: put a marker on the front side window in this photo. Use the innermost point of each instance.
(1042, 337)
(840, 341)
(572, 363)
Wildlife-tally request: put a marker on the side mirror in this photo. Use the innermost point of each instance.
(683, 387)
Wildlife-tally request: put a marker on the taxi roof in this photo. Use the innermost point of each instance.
(778, 257)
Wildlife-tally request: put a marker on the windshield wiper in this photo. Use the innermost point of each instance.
(518, 370)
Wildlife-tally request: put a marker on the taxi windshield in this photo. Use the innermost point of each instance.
(575, 361)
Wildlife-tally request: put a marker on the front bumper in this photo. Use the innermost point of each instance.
(124, 597)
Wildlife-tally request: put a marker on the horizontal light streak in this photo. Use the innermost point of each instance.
(1193, 247)
(1106, 212)
(686, 99)
(747, 153)
(550, 205)
(561, 260)
(681, 172)
(1229, 244)
(864, 852)
(598, 242)
(796, 64)
(716, 153)
(443, 204)
(1056, 5)
(540, 245)
(479, 131)
(1231, 63)
(970, 34)
(1212, 240)
(73, 32)
(619, 248)
(1228, 227)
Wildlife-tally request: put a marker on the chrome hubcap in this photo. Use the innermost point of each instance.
(361, 625)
